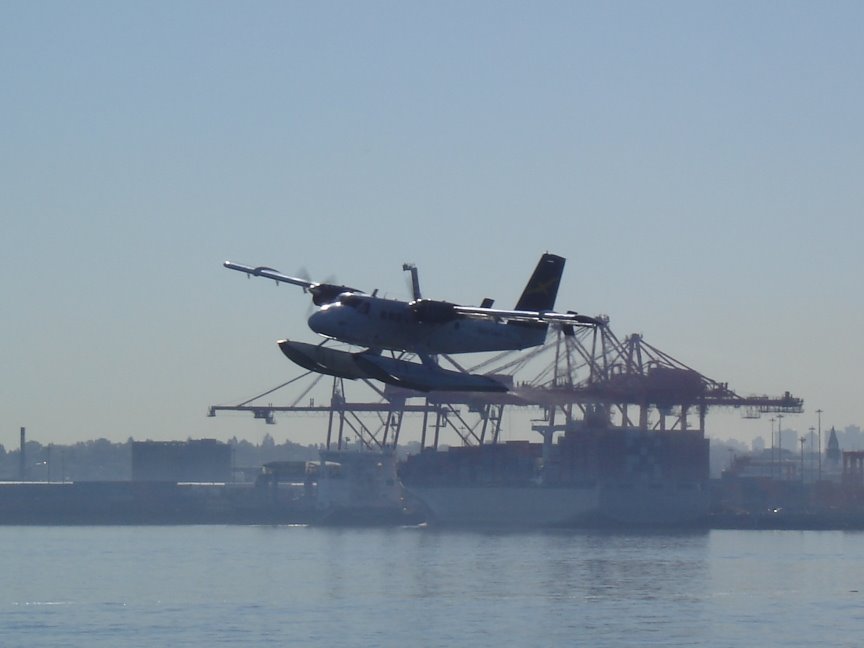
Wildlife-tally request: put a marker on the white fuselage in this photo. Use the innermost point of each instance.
(379, 323)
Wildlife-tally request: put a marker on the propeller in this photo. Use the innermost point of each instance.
(327, 293)
(303, 273)
(323, 293)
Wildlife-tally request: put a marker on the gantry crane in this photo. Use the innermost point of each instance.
(579, 377)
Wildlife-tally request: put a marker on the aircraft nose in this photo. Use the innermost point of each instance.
(323, 322)
(315, 321)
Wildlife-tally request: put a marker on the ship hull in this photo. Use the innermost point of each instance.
(507, 506)
(620, 476)
(588, 506)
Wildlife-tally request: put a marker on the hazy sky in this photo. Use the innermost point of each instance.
(700, 164)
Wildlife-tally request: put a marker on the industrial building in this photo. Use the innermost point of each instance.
(203, 460)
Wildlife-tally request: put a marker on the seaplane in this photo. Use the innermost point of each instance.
(425, 327)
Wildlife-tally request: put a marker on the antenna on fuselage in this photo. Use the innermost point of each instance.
(415, 281)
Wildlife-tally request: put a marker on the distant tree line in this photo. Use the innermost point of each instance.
(102, 460)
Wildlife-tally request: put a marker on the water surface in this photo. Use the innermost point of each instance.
(297, 586)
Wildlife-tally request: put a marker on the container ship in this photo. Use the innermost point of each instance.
(588, 477)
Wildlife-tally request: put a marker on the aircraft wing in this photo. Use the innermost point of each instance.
(569, 317)
(269, 273)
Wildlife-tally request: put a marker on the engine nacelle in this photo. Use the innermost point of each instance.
(432, 311)
(323, 294)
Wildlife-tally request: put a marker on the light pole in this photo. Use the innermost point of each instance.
(773, 467)
(802, 440)
(812, 437)
(819, 414)
(780, 446)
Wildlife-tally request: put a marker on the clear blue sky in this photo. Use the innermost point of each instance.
(700, 164)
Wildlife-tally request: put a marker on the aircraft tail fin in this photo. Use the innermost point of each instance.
(542, 288)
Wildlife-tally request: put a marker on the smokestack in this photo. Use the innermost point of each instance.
(22, 460)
